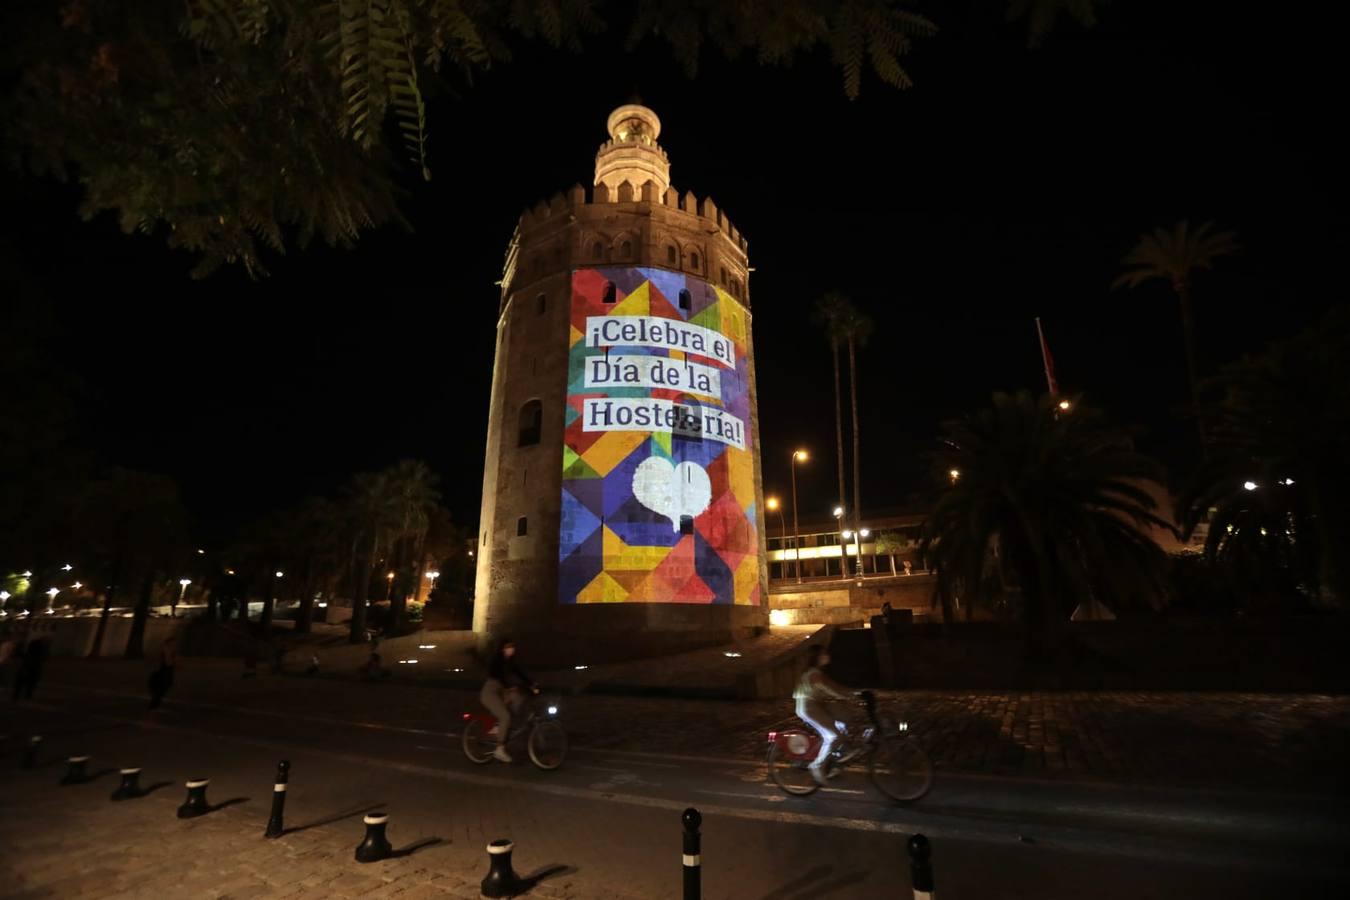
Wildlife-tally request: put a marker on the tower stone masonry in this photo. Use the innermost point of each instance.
(622, 498)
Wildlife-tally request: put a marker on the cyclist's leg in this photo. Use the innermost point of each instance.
(492, 698)
(819, 718)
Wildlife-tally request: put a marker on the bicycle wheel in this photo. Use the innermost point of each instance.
(547, 744)
(900, 768)
(788, 769)
(478, 747)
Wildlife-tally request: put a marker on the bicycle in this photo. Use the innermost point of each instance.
(545, 739)
(899, 767)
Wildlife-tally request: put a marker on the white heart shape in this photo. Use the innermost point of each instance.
(672, 491)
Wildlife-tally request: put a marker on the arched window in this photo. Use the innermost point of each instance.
(610, 294)
(693, 261)
(531, 424)
(540, 304)
(597, 251)
(671, 258)
(626, 250)
(522, 526)
(686, 302)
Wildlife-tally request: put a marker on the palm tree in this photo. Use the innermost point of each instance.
(371, 517)
(858, 328)
(1276, 489)
(1051, 505)
(317, 541)
(1175, 256)
(831, 313)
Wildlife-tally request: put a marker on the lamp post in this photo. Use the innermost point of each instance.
(433, 575)
(389, 586)
(843, 546)
(797, 455)
(182, 590)
(774, 505)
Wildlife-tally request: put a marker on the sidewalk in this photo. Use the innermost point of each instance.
(1290, 742)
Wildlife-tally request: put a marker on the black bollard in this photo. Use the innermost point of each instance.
(921, 868)
(195, 804)
(691, 859)
(75, 773)
(130, 786)
(501, 880)
(376, 846)
(274, 827)
(30, 752)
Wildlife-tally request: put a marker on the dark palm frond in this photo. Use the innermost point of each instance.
(1175, 254)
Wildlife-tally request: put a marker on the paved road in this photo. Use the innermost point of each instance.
(609, 818)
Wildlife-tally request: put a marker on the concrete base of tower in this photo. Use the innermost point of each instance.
(590, 633)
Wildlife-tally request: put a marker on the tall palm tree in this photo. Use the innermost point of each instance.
(858, 328)
(1276, 489)
(1175, 256)
(1051, 505)
(371, 517)
(831, 313)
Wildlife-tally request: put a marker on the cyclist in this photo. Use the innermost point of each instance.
(814, 689)
(501, 692)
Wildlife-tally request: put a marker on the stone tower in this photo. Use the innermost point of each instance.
(622, 500)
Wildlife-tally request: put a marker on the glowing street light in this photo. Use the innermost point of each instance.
(1249, 485)
(67, 567)
(1065, 405)
(27, 574)
(182, 589)
(433, 575)
(76, 586)
(201, 552)
(389, 586)
(954, 475)
(279, 573)
(52, 592)
(838, 512)
(773, 504)
(797, 456)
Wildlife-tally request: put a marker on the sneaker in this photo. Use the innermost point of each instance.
(501, 755)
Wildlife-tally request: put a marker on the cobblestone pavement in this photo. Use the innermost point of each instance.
(1279, 741)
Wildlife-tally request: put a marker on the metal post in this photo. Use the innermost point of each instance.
(75, 773)
(129, 787)
(691, 859)
(921, 868)
(274, 823)
(195, 804)
(375, 846)
(501, 880)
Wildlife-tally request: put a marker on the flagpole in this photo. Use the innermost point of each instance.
(1045, 361)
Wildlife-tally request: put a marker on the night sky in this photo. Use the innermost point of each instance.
(1007, 184)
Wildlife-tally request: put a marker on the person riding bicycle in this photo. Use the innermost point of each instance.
(814, 689)
(501, 692)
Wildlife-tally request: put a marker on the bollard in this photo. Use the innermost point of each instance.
(75, 773)
(501, 880)
(693, 864)
(376, 846)
(195, 804)
(30, 752)
(921, 868)
(274, 827)
(130, 787)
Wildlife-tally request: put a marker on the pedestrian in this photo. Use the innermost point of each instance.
(162, 678)
(30, 669)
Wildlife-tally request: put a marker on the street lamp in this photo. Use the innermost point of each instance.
(4, 598)
(1249, 485)
(51, 597)
(954, 475)
(67, 567)
(797, 456)
(433, 575)
(182, 589)
(773, 505)
(1065, 406)
(843, 542)
(389, 586)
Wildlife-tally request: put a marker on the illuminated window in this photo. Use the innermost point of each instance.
(609, 292)
(686, 301)
(670, 256)
(531, 424)
(540, 304)
(597, 251)
(522, 526)
(625, 249)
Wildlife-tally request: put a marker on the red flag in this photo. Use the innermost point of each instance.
(1049, 363)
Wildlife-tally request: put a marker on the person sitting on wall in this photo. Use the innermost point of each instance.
(501, 692)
